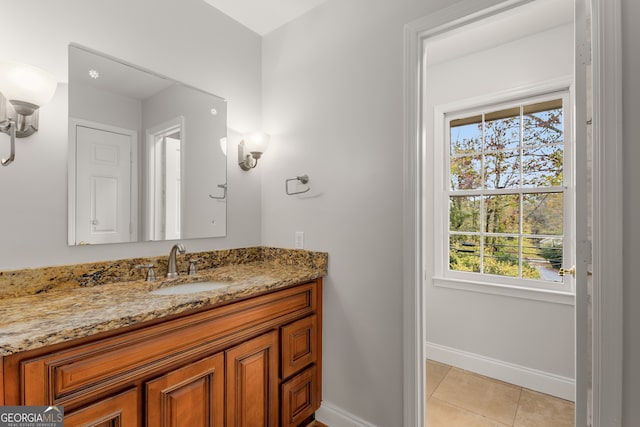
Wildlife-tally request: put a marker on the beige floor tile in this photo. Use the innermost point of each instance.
(492, 399)
(435, 374)
(541, 410)
(443, 414)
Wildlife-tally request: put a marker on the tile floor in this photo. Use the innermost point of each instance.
(458, 398)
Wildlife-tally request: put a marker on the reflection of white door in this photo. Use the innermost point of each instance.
(103, 175)
(163, 212)
(172, 188)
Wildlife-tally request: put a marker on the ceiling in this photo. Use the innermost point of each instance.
(532, 18)
(264, 16)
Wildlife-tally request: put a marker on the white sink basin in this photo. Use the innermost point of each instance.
(189, 288)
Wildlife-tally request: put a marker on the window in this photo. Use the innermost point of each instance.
(508, 193)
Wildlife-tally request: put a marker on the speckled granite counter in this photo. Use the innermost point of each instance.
(55, 311)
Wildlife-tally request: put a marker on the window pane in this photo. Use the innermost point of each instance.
(502, 213)
(464, 253)
(464, 213)
(543, 213)
(502, 170)
(544, 256)
(542, 127)
(502, 133)
(542, 166)
(466, 138)
(514, 150)
(501, 256)
(466, 172)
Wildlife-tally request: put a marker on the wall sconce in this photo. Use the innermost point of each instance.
(23, 90)
(251, 148)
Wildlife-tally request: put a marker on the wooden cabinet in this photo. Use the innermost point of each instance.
(250, 363)
(299, 345)
(300, 390)
(117, 411)
(252, 382)
(300, 397)
(189, 396)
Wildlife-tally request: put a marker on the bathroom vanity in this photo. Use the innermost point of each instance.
(248, 354)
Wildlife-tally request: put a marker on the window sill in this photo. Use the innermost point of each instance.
(565, 298)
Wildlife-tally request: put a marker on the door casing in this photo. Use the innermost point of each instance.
(605, 374)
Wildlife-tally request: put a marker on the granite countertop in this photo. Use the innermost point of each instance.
(32, 321)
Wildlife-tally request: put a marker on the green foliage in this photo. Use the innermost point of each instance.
(551, 250)
(501, 266)
(494, 153)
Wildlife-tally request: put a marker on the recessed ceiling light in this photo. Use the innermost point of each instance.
(94, 74)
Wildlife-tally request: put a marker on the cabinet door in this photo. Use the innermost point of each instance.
(192, 396)
(117, 411)
(252, 382)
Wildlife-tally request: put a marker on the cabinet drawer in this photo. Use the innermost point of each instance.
(116, 361)
(299, 345)
(300, 397)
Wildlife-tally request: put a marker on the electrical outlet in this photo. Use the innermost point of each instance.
(299, 239)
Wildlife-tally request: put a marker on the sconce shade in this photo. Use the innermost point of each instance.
(26, 87)
(256, 143)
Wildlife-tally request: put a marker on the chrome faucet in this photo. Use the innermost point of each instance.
(172, 271)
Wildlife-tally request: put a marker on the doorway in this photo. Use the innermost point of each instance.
(164, 158)
(498, 110)
(416, 272)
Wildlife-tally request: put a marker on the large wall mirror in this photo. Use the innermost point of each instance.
(147, 155)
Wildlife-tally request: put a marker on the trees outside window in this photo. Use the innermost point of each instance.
(506, 191)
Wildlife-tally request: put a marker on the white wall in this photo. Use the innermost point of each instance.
(187, 40)
(631, 153)
(100, 106)
(333, 103)
(200, 214)
(535, 335)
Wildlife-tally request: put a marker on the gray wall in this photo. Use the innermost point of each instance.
(333, 101)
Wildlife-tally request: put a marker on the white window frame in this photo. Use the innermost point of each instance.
(487, 283)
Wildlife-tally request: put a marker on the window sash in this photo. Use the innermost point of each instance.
(560, 100)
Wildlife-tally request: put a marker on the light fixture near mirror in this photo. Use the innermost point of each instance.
(23, 90)
(251, 149)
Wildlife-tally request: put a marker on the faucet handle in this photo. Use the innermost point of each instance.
(192, 266)
(151, 274)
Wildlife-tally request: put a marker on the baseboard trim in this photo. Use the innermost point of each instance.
(522, 376)
(335, 416)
